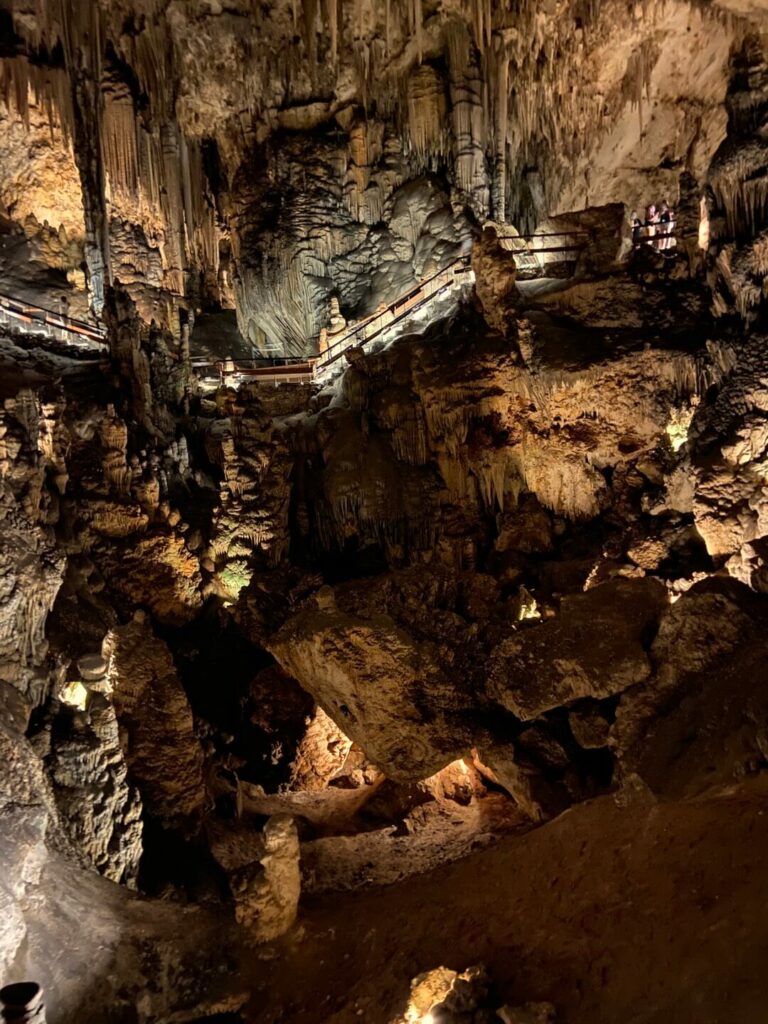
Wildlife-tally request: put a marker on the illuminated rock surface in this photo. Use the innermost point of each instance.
(450, 651)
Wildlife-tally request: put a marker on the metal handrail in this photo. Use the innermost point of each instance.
(547, 234)
(29, 312)
(244, 365)
(330, 355)
(297, 371)
(334, 351)
(414, 290)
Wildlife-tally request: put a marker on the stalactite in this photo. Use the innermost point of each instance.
(173, 208)
(502, 120)
(49, 87)
(120, 142)
(742, 196)
(332, 17)
(418, 27)
(637, 79)
(309, 9)
(478, 10)
(427, 111)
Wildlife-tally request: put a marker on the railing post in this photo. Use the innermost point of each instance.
(22, 1002)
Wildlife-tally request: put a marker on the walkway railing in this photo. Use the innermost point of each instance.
(528, 257)
(38, 320)
(406, 305)
(649, 235)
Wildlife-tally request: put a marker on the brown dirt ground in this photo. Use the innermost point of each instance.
(635, 914)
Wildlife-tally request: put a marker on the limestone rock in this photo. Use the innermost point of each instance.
(370, 675)
(701, 721)
(264, 876)
(321, 754)
(100, 811)
(594, 648)
(589, 726)
(495, 275)
(158, 572)
(162, 752)
(28, 821)
(463, 997)
(530, 1013)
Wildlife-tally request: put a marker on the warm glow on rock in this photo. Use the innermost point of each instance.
(703, 225)
(678, 426)
(384, 383)
(75, 695)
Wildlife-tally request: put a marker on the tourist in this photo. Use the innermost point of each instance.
(651, 220)
(667, 218)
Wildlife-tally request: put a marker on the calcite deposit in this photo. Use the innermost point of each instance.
(384, 548)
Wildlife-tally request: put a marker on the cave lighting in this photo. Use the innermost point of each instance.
(529, 608)
(678, 426)
(74, 695)
(703, 224)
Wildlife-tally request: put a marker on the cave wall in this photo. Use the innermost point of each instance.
(283, 138)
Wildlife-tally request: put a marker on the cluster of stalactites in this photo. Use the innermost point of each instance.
(48, 88)
(152, 174)
(513, 86)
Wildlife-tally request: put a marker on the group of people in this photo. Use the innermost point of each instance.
(657, 229)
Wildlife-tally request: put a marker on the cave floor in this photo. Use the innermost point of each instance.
(616, 913)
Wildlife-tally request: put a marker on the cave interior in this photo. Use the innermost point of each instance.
(384, 506)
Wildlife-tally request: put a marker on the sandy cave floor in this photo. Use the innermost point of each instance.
(644, 913)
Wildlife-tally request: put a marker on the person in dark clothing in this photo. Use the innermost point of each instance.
(667, 219)
(637, 225)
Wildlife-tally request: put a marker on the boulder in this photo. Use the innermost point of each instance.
(383, 686)
(701, 720)
(596, 647)
(263, 873)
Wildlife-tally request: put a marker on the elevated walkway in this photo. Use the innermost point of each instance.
(36, 320)
(546, 257)
(373, 328)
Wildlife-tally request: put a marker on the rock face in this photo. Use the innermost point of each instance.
(31, 567)
(88, 773)
(161, 749)
(458, 996)
(257, 637)
(701, 721)
(731, 444)
(27, 813)
(321, 754)
(263, 875)
(351, 165)
(594, 648)
(372, 676)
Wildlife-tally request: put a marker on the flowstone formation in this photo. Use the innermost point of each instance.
(320, 679)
